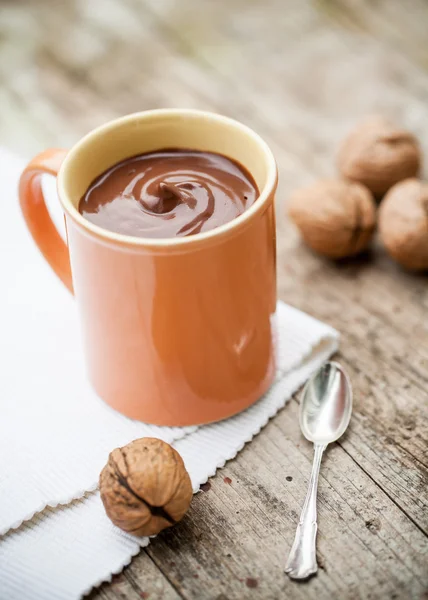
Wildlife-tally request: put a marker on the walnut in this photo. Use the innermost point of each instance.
(403, 223)
(145, 487)
(378, 154)
(336, 218)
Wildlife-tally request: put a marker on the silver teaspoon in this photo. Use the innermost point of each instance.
(325, 411)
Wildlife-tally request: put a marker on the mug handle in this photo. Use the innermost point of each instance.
(37, 216)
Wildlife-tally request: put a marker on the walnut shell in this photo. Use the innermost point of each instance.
(145, 487)
(378, 154)
(335, 218)
(403, 223)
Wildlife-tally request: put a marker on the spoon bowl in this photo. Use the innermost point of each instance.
(326, 405)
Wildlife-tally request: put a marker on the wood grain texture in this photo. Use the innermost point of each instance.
(300, 73)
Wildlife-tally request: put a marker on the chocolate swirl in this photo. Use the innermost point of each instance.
(171, 193)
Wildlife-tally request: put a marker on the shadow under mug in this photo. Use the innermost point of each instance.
(177, 331)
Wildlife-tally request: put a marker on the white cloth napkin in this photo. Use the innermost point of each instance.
(55, 434)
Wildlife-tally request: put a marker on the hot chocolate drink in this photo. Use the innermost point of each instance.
(169, 193)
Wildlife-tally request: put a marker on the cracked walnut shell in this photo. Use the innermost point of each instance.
(145, 487)
(378, 154)
(403, 223)
(335, 218)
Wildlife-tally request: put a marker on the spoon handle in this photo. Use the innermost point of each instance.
(302, 560)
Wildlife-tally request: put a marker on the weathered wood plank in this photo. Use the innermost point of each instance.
(387, 21)
(143, 583)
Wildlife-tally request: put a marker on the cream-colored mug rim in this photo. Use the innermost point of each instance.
(186, 241)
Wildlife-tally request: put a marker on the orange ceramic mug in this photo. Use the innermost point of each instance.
(177, 331)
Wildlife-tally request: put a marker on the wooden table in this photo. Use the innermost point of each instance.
(300, 73)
